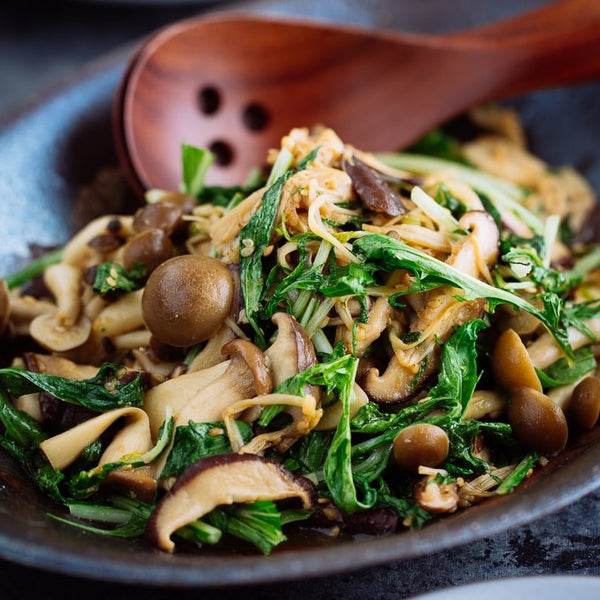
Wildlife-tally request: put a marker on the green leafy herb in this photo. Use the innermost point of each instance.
(195, 164)
(390, 254)
(100, 393)
(564, 372)
(199, 440)
(112, 279)
(257, 232)
(258, 523)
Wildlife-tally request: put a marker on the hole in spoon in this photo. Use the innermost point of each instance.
(209, 100)
(223, 152)
(255, 117)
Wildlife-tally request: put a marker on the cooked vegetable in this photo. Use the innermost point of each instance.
(186, 299)
(218, 480)
(358, 342)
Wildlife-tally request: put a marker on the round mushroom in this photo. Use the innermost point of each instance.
(511, 363)
(186, 299)
(421, 444)
(537, 421)
(584, 406)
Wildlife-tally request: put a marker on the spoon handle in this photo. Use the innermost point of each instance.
(556, 44)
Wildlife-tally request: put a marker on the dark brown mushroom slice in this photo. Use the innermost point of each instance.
(256, 362)
(221, 480)
(374, 192)
(165, 215)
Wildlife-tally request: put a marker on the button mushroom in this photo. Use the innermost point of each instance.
(421, 444)
(584, 406)
(221, 480)
(537, 421)
(186, 299)
(511, 363)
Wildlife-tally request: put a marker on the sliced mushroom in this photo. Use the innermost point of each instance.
(245, 376)
(434, 496)
(179, 391)
(221, 480)
(412, 364)
(67, 327)
(211, 354)
(375, 193)
(121, 316)
(292, 351)
(64, 448)
(365, 334)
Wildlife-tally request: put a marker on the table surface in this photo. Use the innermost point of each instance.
(41, 46)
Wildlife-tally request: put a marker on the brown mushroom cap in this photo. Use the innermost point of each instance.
(584, 406)
(421, 444)
(186, 299)
(218, 480)
(512, 366)
(537, 421)
(150, 248)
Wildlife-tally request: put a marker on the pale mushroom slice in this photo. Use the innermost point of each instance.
(63, 449)
(474, 254)
(67, 327)
(222, 480)
(132, 440)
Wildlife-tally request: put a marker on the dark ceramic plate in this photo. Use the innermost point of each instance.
(55, 149)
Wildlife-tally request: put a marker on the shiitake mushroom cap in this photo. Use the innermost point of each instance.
(186, 299)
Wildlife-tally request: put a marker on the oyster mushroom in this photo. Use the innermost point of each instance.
(292, 351)
(67, 327)
(203, 396)
(221, 480)
(438, 317)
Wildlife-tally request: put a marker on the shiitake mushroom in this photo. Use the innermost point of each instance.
(420, 444)
(186, 299)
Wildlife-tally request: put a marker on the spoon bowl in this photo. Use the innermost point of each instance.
(237, 83)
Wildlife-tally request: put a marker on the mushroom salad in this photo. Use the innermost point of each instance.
(352, 344)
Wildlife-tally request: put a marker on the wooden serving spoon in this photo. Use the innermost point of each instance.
(237, 83)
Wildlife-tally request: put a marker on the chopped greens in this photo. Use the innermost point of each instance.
(386, 336)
